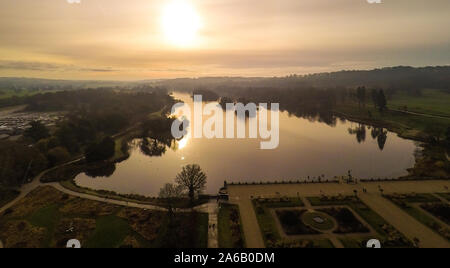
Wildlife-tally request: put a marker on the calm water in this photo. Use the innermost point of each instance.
(307, 148)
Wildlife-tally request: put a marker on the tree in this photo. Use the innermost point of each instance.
(193, 179)
(447, 136)
(374, 94)
(359, 131)
(380, 135)
(37, 131)
(19, 163)
(101, 151)
(361, 95)
(67, 138)
(170, 193)
(58, 155)
(382, 101)
(434, 133)
(381, 139)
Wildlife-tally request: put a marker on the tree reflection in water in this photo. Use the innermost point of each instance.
(152, 147)
(359, 131)
(104, 170)
(379, 134)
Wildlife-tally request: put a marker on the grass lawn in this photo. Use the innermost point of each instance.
(110, 232)
(445, 196)
(372, 218)
(282, 202)
(420, 215)
(49, 218)
(7, 195)
(201, 240)
(46, 217)
(292, 223)
(266, 222)
(432, 101)
(419, 198)
(230, 227)
(406, 125)
(439, 210)
(9, 93)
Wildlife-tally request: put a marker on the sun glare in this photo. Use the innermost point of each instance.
(180, 23)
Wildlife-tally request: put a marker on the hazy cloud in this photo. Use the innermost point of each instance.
(51, 67)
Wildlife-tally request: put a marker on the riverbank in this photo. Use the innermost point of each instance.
(409, 126)
(432, 162)
(139, 199)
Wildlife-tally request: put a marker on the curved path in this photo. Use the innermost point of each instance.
(211, 208)
(28, 187)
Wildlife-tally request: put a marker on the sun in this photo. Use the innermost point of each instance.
(180, 23)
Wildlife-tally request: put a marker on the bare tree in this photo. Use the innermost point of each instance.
(170, 194)
(193, 179)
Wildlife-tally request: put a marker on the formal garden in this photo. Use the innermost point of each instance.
(49, 218)
(288, 222)
(427, 209)
(386, 233)
(271, 232)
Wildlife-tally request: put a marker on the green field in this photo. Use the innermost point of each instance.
(49, 218)
(431, 101)
(110, 232)
(409, 126)
(46, 217)
(8, 93)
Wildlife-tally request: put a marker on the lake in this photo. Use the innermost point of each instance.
(307, 148)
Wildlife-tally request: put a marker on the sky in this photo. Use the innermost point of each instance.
(150, 39)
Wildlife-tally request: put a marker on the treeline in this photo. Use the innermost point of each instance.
(93, 117)
(34, 84)
(311, 103)
(19, 162)
(390, 79)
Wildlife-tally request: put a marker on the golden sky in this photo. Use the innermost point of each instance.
(145, 39)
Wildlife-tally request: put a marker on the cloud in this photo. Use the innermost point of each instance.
(48, 67)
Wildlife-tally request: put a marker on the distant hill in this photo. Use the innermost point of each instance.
(393, 78)
(401, 77)
(17, 83)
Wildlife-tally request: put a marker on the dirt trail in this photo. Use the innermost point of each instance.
(252, 232)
